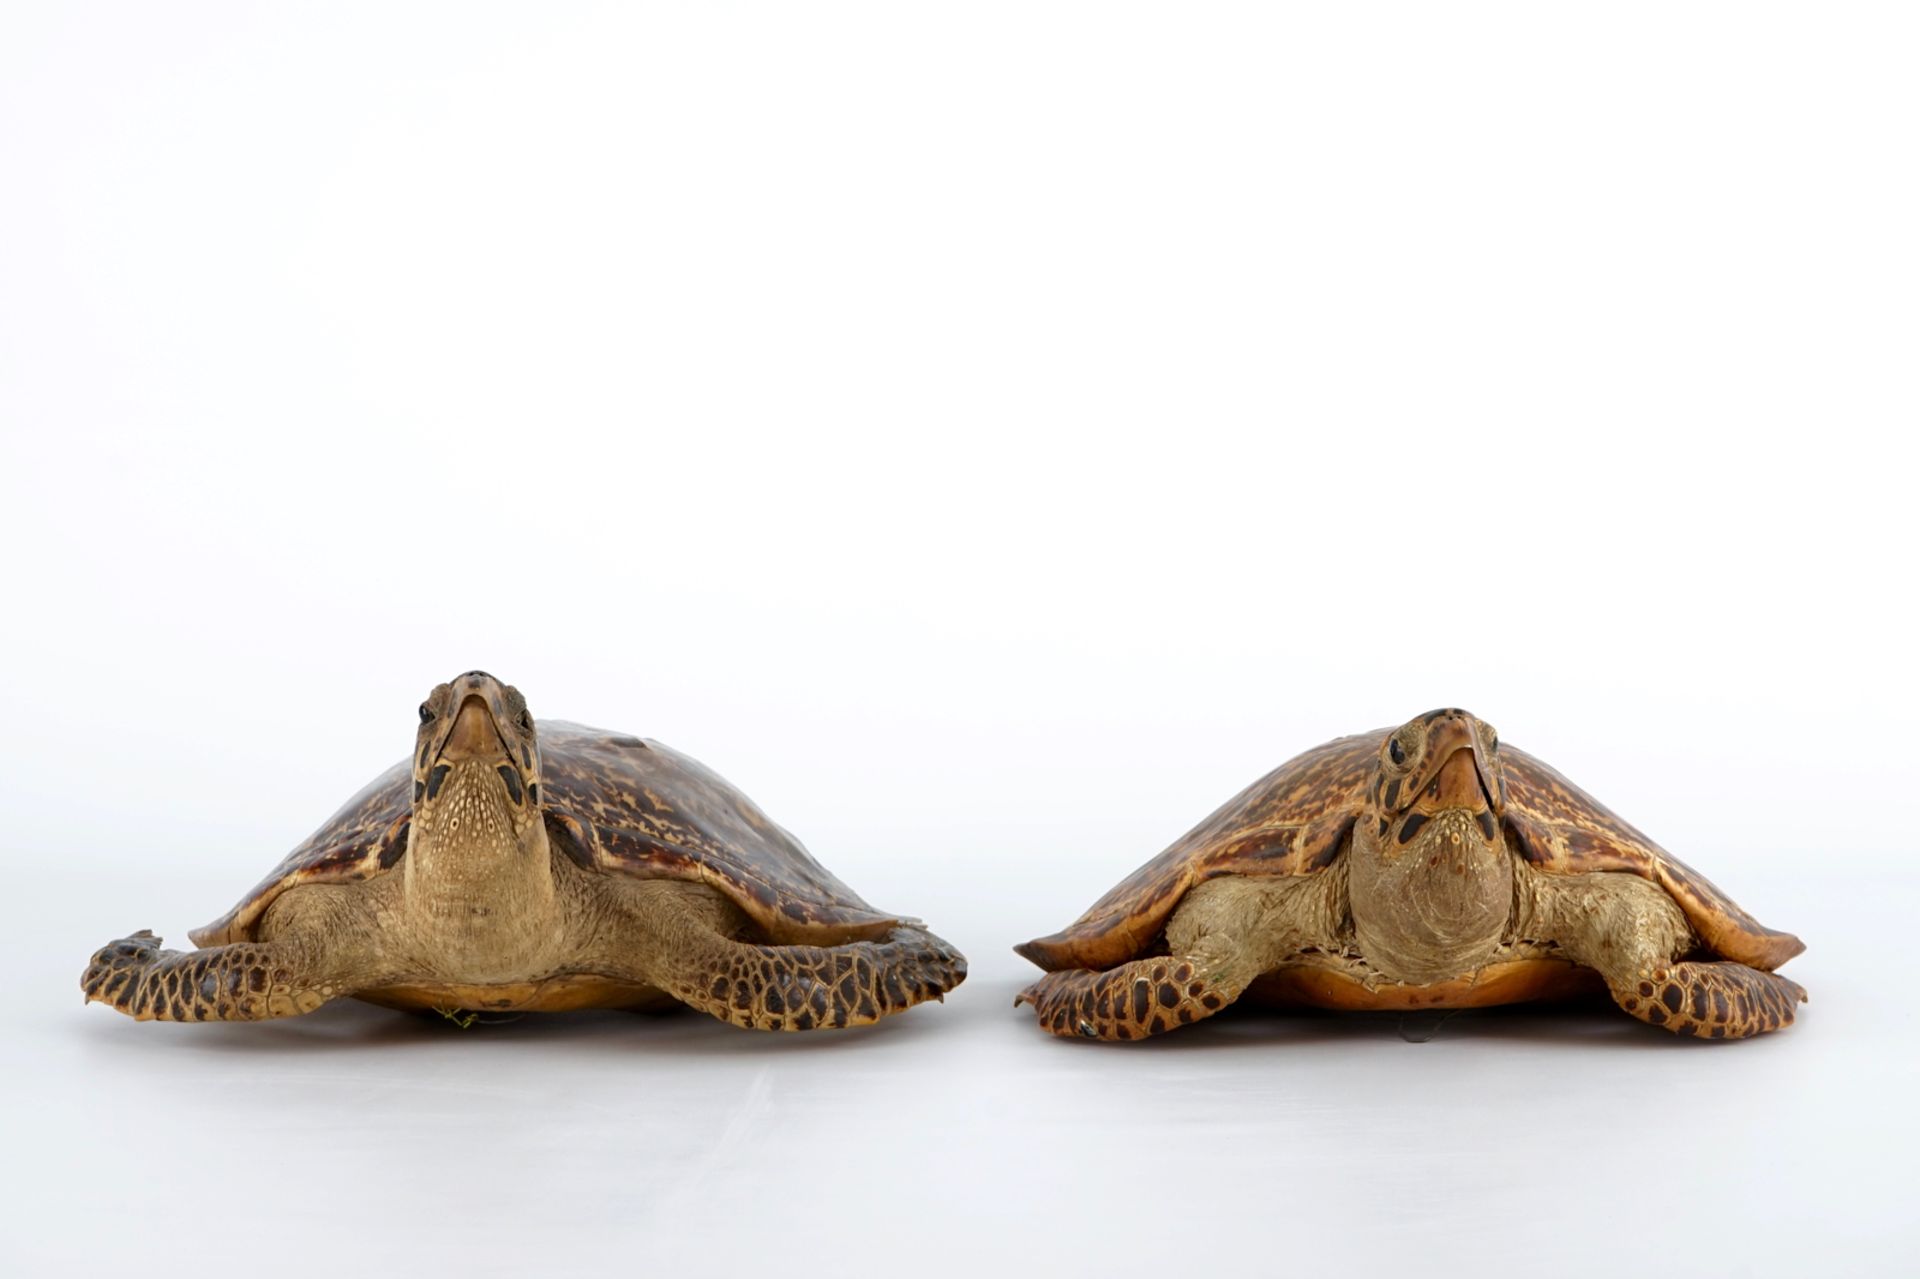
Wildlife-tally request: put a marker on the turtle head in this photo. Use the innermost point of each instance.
(476, 760)
(1431, 881)
(1441, 761)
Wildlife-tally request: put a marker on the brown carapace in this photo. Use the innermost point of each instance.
(510, 866)
(1427, 866)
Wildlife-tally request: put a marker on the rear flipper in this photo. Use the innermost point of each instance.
(1721, 1000)
(249, 981)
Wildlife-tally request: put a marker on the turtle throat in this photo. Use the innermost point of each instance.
(478, 884)
(1431, 892)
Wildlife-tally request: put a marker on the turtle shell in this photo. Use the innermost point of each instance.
(1293, 821)
(1296, 819)
(1562, 830)
(616, 804)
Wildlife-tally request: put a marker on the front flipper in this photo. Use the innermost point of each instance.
(1224, 933)
(1137, 999)
(1712, 1000)
(1634, 935)
(762, 987)
(248, 981)
(692, 942)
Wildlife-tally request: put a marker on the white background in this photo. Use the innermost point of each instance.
(990, 435)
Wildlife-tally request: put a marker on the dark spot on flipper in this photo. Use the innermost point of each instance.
(1720, 1010)
(1646, 990)
(1141, 993)
(436, 779)
(1685, 1028)
(772, 1000)
(1212, 1002)
(1656, 1014)
(1671, 998)
(1168, 996)
(803, 1020)
(1699, 1003)
(1156, 1026)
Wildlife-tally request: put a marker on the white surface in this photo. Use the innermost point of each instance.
(991, 438)
(957, 1139)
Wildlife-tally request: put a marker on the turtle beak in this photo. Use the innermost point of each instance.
(1457, 774)
(474, 732)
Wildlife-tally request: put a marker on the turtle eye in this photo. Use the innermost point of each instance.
(1394, 752)
(426, 713)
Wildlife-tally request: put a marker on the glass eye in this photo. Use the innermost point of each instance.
(426, 713)
(1394, 752)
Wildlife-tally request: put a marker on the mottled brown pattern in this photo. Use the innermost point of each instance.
(1712, 1001)
(636, 807)
(821, 988)
(234, 983)
(1290, 822)
(616, 803)
(1134, 1001)
(1562, 830)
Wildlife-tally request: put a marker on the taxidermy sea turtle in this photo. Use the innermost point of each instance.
(509, 866)
(1423, 867)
